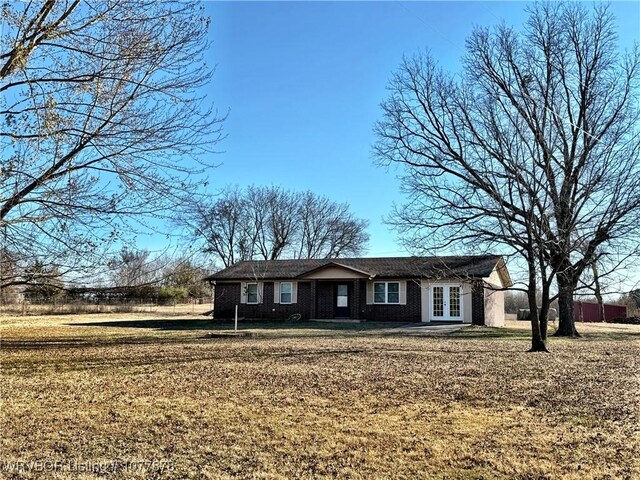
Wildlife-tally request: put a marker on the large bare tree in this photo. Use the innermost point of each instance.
(100, 122)
(327, 229)
(271, 223)
(534, 148)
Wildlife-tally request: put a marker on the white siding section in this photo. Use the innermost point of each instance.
(493, 308)
(494, 278)
(425, 288)
(494, 300)
(467, 304)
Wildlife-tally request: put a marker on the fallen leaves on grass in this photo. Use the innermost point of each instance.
(328, 404)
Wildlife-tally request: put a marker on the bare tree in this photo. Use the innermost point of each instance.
(459, 197)
(183, 273)
(328, 229)
(8, 267)
(133, 268)
(272, 218)
(221, 224)
(100, 121)
(580, 98)
(534, 149)
(270, 223)
(44, 283)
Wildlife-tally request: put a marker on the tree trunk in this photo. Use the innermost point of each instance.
(566, 324)
(544, 319)
(598, 291)
(538, 343)
(543, 315)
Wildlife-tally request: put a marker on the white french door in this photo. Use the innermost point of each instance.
(446, 302)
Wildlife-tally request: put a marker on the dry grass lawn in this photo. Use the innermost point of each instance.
(106, 396)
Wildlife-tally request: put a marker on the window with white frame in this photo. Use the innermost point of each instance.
(386, 292)
(286, 289)
(252, 293)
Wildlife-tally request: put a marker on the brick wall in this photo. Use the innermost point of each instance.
(477, 302)
(227, 296)
(325, 298)
(305, 300)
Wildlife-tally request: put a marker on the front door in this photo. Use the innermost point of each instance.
(342, 301)
(446, 303)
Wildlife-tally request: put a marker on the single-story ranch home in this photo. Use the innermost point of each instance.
(408, 289)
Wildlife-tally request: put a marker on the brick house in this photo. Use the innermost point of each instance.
(407, 289)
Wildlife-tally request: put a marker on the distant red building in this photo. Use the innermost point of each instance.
(590, 312)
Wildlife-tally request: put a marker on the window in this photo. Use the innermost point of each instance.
(379, 292)
(438, 301)
(342, 296)
(285, 292)
(454, 302)
(252, 293)
(386, 292)
(393, 292)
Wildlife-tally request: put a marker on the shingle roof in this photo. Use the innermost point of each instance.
(477, 266)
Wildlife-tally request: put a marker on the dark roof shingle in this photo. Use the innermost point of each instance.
(476, 266)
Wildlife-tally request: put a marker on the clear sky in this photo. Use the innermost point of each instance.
(303, 83)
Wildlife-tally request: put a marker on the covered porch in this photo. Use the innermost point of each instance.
(337, 292)
(337, 299)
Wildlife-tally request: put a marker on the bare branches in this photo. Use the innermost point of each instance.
(535, 150)
(101, 117)
(271, 223)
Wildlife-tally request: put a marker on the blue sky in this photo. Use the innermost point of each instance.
(303, 83)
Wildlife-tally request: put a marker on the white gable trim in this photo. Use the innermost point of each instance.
(334, 271)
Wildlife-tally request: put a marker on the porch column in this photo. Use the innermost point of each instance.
(314, 299)
(355, 307)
